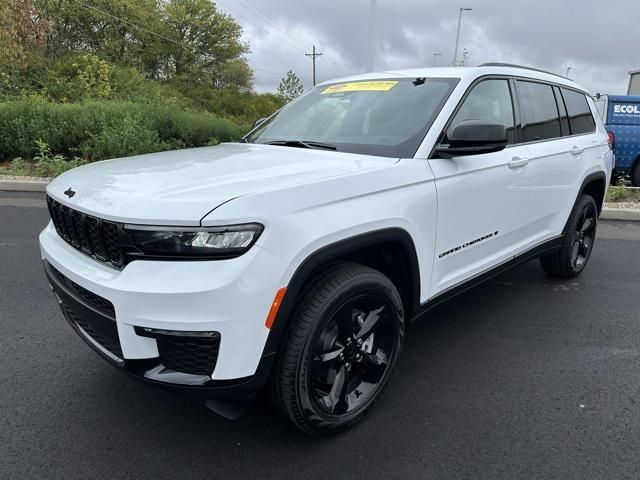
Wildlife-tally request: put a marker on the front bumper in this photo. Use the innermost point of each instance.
(230, 297)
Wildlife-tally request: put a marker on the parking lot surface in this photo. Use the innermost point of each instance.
(523, 377)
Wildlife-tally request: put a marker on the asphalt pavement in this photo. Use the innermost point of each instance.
(523, 377)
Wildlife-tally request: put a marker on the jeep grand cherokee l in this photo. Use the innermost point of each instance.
(293, 259)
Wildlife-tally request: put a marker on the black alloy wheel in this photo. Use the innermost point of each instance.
(583, 238)
(351, 354)
(577, 244)
(341, 344)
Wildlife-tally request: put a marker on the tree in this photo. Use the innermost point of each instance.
(189, 41)
(290, 87)
(205, 46)
(22, 34)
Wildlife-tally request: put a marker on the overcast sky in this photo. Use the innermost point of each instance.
(599, 40)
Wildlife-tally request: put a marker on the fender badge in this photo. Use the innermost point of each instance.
(69, 193)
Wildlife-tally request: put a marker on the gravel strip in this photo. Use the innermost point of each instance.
(21, 178)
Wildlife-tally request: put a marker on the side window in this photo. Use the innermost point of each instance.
(490, 100)
(580, 116)
(540, 120)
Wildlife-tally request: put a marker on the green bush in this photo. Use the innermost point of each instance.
(101, 129)
(19, 166)
(49, 165)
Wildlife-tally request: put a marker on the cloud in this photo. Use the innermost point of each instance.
(599, 41)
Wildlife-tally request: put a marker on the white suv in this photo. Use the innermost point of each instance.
(295, 257)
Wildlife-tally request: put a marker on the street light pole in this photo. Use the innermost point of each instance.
(435, 55)
(568, 70)
(455, 53)
(373, 6)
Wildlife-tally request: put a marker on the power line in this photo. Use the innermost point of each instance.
(269, 19)
(274, 21)
(235, 12)
(164, 37)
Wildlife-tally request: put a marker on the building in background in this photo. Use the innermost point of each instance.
(634, 83)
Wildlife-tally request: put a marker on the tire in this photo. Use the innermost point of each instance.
(635, 175)
(577, 245)
(341, 345)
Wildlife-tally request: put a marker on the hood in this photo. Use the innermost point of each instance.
(181, 187)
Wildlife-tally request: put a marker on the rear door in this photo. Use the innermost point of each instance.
(483, 200)
(558, 127)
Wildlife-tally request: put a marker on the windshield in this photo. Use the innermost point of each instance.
(386, 118)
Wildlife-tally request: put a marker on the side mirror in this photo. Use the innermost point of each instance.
(259, 122)
(473, 137)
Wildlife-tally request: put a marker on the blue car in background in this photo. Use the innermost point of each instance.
(621, 115)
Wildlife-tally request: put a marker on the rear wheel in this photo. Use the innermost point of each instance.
(341, 346)
(635, 175)
(577, 244)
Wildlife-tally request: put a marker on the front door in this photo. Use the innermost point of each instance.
(484, 201)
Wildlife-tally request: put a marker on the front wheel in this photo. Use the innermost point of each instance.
(577, 244)
(340, 348)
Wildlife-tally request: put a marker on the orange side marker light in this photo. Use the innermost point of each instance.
(275, 306)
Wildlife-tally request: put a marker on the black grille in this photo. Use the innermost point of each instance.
(105, 337)
(93, 236)
(197, 357)
(96, 301)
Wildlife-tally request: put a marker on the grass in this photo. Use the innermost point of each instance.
(619, 194)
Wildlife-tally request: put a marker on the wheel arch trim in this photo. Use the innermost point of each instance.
(323, 256)
(592, 177)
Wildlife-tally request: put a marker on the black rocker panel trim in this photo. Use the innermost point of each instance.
(545, 248)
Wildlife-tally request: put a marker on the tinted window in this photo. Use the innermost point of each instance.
(489, 100)
(374, 117)
(580, 117)
(539, 111)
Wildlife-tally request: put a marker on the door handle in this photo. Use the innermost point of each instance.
(575, 150)
(517, 162)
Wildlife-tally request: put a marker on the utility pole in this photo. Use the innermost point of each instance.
(435, 56)
(455, 53)
(373, 6)
(313, 58)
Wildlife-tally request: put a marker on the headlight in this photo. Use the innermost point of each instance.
(199, 242)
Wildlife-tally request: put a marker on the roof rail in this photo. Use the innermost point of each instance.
(512, 65)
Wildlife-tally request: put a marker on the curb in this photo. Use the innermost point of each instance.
(617, 214)
(22, 186)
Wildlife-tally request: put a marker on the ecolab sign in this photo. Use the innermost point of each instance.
(633, 109)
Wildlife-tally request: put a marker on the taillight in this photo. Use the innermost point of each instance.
(611, 140)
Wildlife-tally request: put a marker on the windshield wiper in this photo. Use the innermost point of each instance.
(303, 144)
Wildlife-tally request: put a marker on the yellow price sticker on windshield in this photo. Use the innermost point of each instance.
(381, 86)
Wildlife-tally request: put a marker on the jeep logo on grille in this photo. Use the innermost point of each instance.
(69, 193)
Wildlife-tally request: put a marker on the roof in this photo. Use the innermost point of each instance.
(464, 73)
(634, 72)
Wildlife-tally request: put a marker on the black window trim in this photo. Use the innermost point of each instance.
(523, 125)
(595, 123)
(562, 109)
(517, 111)
(560, 86)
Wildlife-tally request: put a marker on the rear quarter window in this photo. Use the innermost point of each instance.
(580, 117)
